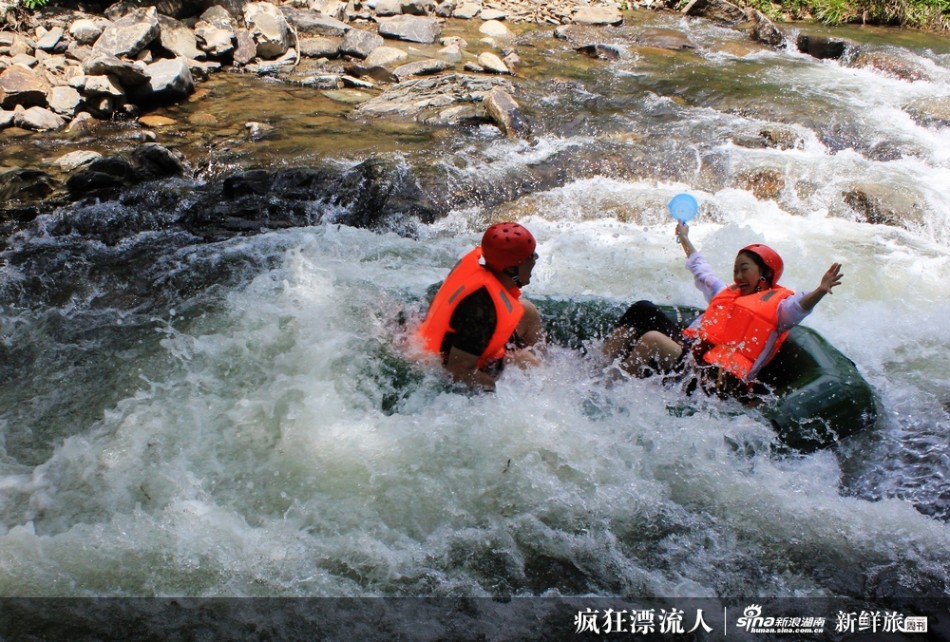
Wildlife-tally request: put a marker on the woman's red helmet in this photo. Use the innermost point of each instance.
(507, 244)
(771, 259)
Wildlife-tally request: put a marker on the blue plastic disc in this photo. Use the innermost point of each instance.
(683, 207)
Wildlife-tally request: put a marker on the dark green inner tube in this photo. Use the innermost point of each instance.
(817, 394)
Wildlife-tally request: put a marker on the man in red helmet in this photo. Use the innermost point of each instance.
(740, 331)
(478, 320)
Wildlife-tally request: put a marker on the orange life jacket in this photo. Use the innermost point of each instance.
(739, 329)
(468, 276)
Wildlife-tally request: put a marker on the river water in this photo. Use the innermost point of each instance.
(235, 418)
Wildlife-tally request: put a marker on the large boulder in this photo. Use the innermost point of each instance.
(360, 43)
(890, 63)
(20, 85)
(411, 28)
(270, 29)
(86, 31)
(168, 79)
(38, 119)
(215, 32)
(129, 74)
(882, 204)
(821, 47)
(178, 39)
(64, 101)
(129, 35)
(765, 31)
(599, 15)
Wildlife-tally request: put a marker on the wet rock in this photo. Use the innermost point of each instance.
(764, 183)
(765, 31)
(664, 39)
(19, 185)
(451, 53)
(377, 73)
(891, 64)
(260, 131)
(129, 35)
(930, 112)
(105, 173)
(74, 160)
(378, 191)
(434, 99)
(22, 86)
(83, 124)
(821, 47)
(601, 51)
(492, 63)
(880, 204)
(411, 28)
(153, 161)
(322, 81)
(781, 138)
(506, 113)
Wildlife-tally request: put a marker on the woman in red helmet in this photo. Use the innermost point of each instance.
(740, 331)
(477, 320)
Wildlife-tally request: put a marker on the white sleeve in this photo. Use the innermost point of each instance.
(791, 312)
(705, 279)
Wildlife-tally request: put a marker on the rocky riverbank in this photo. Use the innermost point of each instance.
(63, 71)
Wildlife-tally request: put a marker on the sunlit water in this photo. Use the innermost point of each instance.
(241, 418)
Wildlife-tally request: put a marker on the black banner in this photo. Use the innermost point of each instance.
(477, 619)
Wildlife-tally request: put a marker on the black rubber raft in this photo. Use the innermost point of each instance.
(816, 394)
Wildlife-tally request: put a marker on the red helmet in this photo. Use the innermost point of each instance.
(507, 244)
(771, 259)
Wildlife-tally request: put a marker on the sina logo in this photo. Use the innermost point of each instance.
(752, 619)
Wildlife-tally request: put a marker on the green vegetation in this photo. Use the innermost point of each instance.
(917, 14)
(32, 5)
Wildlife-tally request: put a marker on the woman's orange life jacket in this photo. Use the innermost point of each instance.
(468, 276)
(739, 329)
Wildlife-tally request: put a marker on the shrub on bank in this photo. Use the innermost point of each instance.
(916, 14)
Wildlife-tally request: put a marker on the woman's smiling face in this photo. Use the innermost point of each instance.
(747, 274)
